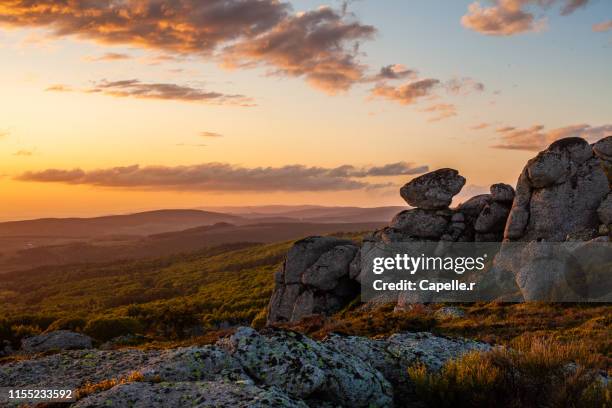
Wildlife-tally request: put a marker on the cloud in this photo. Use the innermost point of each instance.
(59, 88)
(320, 45)
(463, 86)
(395, 71)
(480, 126)
(166, 91)
(573, 5)
(603, 26)
(442, 111)
(226, 177)
(24, 153)
(210, 134)
(3, 133)
(183, 26)
(536, 138)
(109, 56)
(511, 17)
(191, 145)
(405, 94)
(396, 169)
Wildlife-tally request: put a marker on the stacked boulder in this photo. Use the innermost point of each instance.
(314, 279)
(563, 194)
(481, 218)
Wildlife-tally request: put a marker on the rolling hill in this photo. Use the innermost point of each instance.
(169, 243)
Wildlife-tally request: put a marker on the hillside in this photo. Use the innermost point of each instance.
(182, 296)
(144, 223)
(168, 243)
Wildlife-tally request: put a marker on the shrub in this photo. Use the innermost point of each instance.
(541, 374)
(259, 321)
(23, 330)
(67, 323)
(106, 328)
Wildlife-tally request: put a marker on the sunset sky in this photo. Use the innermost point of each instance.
(127, 105)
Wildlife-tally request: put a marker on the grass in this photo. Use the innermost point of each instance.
(537, 373)
(502, 324)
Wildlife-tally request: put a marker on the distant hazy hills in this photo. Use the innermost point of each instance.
(144, 223)
(60, 241)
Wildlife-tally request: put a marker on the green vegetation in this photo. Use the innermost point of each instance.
(168, 298)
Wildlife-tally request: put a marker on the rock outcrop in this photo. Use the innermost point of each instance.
(558, 194)
(563, 194)
(314, 279)
(56, 340)
(271, 368)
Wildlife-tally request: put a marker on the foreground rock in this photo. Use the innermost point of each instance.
(271, 368)
(56, 340)
(306, 369)
(191, 394)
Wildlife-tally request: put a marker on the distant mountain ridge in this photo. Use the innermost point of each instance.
(167, 220)
(143, 223)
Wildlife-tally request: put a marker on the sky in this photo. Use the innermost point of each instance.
(128, 105)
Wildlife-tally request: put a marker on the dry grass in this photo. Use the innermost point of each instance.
(505, 324)
(90, 389)
(539, 373)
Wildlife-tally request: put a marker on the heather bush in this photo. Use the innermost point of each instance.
(106, 328)
(540, 373)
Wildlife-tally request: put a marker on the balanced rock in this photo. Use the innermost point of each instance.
(56, 340)
(434, 190)
(315, 279)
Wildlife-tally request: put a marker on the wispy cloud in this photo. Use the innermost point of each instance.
(109, 56)
(210, 134)
(480, 126)
(511, 17)
(227, 177)
(536, 138)
(133, 88)
(394, 71)
(441, 111)
(24, 153)
(191, 145)
(603, 26)
(406, 94)
(464, 86)
(4, 133)
(59, 88)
